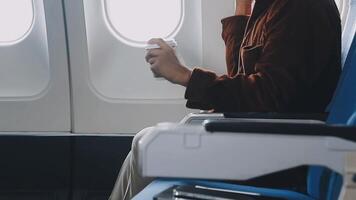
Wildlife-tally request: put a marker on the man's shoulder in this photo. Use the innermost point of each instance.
(300, 7)
(303, 4)
(281, 8)
(289, 4)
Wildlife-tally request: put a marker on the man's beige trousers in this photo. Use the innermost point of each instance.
(130, 181)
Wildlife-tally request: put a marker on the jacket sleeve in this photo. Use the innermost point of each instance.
(271, 86)
(233, 34)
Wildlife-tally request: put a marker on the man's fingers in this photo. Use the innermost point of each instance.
(163, 44)
(155, 71)
(153, 41)
(160, 42)
(151, 61)
(151, 54)
(148, 56)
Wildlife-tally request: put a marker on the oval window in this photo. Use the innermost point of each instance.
(16, 18)
(134, 22)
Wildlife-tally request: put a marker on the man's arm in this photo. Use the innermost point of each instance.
(233, 33)
(164, 62)
(243, 7)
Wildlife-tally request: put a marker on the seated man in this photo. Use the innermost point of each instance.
(284, 56)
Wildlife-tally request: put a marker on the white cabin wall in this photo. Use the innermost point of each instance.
(213, 45)
(34, 91)
(113, 88)
(41, 59)
(106, 110)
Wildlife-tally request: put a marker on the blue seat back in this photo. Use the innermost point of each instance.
(322, 182)
(343, 107)
(349, 18)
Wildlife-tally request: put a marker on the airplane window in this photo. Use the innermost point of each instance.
(134, 22)
(15, 19)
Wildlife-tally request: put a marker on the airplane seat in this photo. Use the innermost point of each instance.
(342, 111)
(339, 108)
(323, 183)
(320, 180)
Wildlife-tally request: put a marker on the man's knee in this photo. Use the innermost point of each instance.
(137, 138)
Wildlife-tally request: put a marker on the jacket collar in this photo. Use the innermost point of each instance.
(262, 5)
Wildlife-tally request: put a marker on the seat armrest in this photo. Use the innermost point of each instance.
(193, 152)
(301, 116)
(199, 118)
(302, 129)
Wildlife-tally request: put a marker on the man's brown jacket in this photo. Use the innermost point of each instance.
(284, 58)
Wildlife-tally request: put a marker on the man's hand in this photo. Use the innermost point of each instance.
(164, 63)
(243, 7)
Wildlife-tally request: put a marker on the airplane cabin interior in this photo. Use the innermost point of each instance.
(75, 89)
